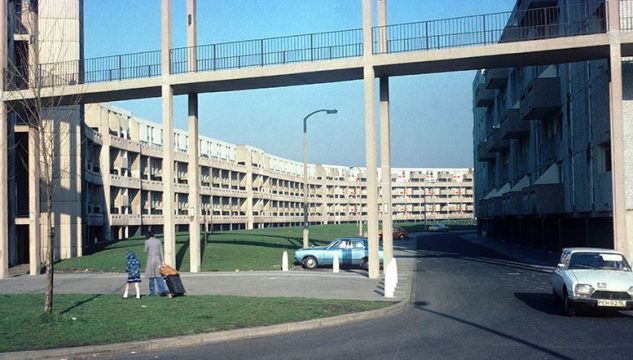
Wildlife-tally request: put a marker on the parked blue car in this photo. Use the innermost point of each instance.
(351, 252)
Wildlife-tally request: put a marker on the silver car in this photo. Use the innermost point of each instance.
(592, 278)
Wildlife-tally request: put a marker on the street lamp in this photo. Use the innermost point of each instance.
(358, 198)
(306, 231)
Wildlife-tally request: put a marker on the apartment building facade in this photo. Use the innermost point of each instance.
(542, 148)
(242, 187)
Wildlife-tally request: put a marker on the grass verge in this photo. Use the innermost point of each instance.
(242, 250)
(104, 319)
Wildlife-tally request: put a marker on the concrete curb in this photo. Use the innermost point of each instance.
(207, 338)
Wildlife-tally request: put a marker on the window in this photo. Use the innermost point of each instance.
(358, 245)
(606, 155)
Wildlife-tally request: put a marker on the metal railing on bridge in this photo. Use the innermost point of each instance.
(512, 26)
(270, 51)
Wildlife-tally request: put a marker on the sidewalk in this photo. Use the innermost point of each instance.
(324, 284)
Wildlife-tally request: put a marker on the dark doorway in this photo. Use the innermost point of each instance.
(22, 244)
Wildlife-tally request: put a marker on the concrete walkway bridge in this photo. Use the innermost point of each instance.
(544, 35)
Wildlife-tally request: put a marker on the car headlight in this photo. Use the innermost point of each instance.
(630, 291)
(584, 290)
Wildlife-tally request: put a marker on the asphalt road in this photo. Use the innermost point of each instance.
(470, 303)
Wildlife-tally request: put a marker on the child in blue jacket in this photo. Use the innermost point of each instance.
(133, 269)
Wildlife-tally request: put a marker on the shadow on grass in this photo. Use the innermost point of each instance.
(76, 305)
(180, 256)
(252, 243)
(294, 240)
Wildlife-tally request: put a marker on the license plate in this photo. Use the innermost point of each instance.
(612, 303)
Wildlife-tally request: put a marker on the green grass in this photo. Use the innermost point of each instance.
(241, 250)
(103, 319)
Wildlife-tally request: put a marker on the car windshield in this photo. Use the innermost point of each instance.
(596, 260)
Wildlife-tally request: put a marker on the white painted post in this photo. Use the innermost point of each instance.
(391, 278)
(335, 263)
(284, 261)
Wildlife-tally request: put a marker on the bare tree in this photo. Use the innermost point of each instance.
(52, 119)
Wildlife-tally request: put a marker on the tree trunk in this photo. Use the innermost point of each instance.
(50, 252)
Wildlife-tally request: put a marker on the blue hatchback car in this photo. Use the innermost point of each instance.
(351, 252)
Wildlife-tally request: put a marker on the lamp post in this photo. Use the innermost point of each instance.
(306, 231)
(358, 198)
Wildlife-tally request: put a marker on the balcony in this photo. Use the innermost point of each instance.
(546, 199)
(484, 97)
(497, 144)
(483, 152)
(496, 78)
(542, 99)
(94, 219)
(512, 127)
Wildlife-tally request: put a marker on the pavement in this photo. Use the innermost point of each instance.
(325, 284)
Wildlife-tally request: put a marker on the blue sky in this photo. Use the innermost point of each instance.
(431, 115)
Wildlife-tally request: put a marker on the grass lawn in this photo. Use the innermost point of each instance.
(103, 319)
(242, 250)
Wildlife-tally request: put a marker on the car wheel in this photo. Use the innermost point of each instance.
(310, 263)
(364, 264)
(402, 236)
(568, 307)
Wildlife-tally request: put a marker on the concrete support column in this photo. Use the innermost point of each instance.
(167, 94)
(385, 165)
(621, 152)
(4, 150)
(192, 35)
(385, 144)
(34, 203)
(370, 142)
(370, 156)
(194, 159)
(104, 161)
(194, 186)
(250, 218)
(169, 230)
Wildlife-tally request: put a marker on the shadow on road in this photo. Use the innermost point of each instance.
(449, 247)
(422, 305)
(539, 301)
(545, 303)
